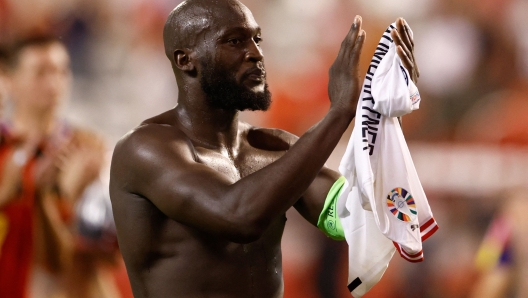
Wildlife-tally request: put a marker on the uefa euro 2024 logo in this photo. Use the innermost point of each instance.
(401, 203)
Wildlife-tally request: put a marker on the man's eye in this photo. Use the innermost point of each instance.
(234, 41)
(257, 40)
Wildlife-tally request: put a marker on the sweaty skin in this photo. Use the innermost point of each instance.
(199, 197)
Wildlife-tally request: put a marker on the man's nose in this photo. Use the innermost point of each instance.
(254, 52)
(55, 83)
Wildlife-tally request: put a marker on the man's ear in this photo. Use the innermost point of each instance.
(183, 61)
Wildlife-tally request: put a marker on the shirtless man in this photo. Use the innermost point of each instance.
(199, 197)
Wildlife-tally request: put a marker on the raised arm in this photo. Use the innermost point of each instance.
(156, 162)
(312, 202)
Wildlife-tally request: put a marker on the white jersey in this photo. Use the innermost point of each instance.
(383, 181)
(369, 251)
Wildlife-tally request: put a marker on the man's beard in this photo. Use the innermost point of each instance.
(223, 92)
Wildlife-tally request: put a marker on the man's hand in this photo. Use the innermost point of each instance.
(80, 164)
(344, 85)
(46, 167)
(405, 48)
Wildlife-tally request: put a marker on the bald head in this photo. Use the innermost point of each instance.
(190, 20)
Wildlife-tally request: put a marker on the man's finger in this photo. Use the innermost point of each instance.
(358, 47)
(398, 41)
(416, 72)
(350, 40)
(405, 34)
(409, 64)
(406, 60)
(408, 31)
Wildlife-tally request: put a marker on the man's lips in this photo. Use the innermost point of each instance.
(256, 74)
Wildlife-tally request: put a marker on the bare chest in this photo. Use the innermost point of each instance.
(238, 165)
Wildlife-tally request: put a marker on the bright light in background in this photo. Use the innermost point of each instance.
(447, 50)
(387, 9)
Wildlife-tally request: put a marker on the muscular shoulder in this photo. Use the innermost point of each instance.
(147, 148)
(152, 136)
(272, 139)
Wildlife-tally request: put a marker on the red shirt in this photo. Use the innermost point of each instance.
(16, 233)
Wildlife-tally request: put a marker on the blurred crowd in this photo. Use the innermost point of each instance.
(77, 75)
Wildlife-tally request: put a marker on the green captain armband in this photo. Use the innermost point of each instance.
(328, 221)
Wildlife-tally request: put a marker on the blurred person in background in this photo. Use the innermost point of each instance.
(46, 165)
(502, 258)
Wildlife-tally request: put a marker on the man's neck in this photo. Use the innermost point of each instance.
(215, 128)
(32, 124)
